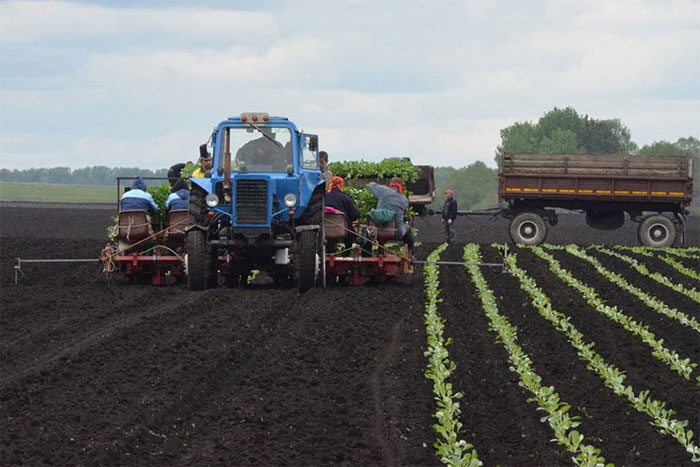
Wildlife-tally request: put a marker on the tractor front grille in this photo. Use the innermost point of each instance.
(251, 201)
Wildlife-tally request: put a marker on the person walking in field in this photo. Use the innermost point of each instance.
(449, 214)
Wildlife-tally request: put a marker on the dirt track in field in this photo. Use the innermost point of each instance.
(125, 374)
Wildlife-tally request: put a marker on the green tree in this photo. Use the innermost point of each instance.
(560, 141)
(519, 137)
(474, 186)
(684, 146)
(565, 131)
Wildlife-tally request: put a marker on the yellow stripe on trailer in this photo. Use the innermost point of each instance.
(607, 192)
(662, 193)
(622, 192)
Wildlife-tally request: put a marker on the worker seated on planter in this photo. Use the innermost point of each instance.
(393, 199)
(129, 227)
(138, 199)
(179, 197)
(336, 198)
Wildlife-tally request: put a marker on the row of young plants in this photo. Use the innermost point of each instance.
(451, 450)
(660, 278)
(613, 377)
(652, 302)
(546, 397)
(666, 258)
(683, 366)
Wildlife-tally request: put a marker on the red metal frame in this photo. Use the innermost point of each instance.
(156, 265)
(358, 268)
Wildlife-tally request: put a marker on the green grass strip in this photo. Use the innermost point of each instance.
(660, 278)
(613, 378)
(683, 367)
(451, 450)
(546, 397)
(55, 193)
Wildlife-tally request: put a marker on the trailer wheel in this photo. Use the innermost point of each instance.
(196, 260)
(307, 260)
(528, 228)
(657, 231)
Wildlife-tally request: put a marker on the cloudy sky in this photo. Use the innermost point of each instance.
(142, 83)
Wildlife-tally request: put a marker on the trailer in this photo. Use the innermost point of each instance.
(654, 191)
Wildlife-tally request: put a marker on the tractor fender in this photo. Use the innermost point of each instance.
(195, 227)
(204, 183)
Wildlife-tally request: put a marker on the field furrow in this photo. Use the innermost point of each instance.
(661, 416)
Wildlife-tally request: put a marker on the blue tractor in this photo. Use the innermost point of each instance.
(260, 207)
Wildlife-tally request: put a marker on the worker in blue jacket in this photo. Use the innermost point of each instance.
(138, 199)
(179, 197)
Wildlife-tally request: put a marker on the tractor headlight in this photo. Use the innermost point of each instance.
(290, 200)
(212, 200)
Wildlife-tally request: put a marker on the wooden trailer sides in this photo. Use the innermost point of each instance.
(610, 177)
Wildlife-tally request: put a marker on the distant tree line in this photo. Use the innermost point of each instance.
(98, 175)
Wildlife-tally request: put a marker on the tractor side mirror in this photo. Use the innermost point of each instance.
(203, 150)
(313, 143)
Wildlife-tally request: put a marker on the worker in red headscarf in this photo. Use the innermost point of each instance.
(338, 199)
(449, 214)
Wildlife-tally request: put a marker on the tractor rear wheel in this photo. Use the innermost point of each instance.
(196, 260)
(307, 260)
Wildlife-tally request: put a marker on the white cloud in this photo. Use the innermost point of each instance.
(432, 81)
(32, 21)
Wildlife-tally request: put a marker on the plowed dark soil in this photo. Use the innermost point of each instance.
(125, 374)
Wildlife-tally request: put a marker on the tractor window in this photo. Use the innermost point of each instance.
(261, 149)
(309, 158)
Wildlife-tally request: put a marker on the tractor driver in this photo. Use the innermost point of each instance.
(266, 151)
